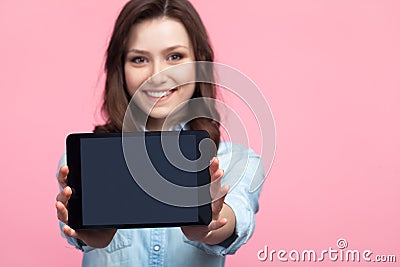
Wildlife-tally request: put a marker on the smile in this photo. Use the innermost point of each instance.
(159, 94)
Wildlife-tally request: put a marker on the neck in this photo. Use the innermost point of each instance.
(154, 124)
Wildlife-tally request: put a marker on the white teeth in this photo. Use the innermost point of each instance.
(158, 94)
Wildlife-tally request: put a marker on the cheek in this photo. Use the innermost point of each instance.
(187, 91)
(134, 79)
(184, 73)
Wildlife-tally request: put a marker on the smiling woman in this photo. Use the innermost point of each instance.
(178, 17)
(153, 46)
(151, 71)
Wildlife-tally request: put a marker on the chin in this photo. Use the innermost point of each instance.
(159, 114)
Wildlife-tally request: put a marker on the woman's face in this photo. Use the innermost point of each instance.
(154, 45)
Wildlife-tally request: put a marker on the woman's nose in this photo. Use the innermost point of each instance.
(159, 75)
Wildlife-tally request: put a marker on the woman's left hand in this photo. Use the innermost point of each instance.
(206, 234)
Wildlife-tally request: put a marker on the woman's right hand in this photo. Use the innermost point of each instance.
(93, 238)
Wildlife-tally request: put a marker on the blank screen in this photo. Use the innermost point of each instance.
(111, 196)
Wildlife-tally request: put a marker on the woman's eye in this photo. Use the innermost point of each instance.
(175, 57)
(139, 60)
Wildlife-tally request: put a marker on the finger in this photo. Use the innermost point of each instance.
(217, 205)
(64, 195)
(217, 175)
(68, 231)
(216, 224)
(214, 166)
(216, 183)
(217, 192)
(62, 176)
(62, 212)
(224, 190)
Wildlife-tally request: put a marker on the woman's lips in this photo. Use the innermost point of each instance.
(159, 95)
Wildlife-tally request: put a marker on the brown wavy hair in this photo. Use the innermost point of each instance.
(116, 97)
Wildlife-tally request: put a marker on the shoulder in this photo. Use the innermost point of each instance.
(242, 159)
(235, 151)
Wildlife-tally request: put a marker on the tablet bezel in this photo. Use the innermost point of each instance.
(75, 215)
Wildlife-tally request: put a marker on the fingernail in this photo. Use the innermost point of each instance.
(68, 190)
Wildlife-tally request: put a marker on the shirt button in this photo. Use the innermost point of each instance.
(156, 248)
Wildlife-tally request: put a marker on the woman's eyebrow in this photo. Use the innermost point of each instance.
(175, 47)
(138, 51)
(168, 49)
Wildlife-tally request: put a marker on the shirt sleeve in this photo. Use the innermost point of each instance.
(244, 166)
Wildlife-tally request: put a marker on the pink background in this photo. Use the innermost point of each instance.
(330, 72)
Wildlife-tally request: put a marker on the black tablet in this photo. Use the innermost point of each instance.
(107, 172)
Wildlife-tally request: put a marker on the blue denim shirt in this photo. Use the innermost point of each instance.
(169, 246)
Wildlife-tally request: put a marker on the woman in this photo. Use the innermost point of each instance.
(149, 36)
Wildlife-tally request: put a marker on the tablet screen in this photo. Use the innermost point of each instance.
(109, 196)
